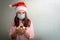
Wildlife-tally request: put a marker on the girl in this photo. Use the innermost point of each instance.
(21, 28)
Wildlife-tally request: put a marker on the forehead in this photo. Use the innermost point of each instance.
(21, 11)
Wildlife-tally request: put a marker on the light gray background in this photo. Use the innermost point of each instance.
(45, 15)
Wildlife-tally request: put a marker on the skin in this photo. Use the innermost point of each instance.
(21, 12)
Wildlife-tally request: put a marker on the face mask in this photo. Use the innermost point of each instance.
(21, 16)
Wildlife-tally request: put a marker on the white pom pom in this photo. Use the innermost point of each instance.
(10, 5)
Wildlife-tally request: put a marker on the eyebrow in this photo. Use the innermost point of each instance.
(20, 12)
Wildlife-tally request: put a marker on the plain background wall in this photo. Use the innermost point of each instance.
(45, 15)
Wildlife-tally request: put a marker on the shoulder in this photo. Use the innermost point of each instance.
(31, 23)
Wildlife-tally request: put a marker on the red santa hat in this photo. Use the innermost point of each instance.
(19, 6)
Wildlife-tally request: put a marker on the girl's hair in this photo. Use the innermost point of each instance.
(26, 21)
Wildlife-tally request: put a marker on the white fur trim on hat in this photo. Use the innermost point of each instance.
(21, 8)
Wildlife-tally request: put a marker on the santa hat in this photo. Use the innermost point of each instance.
(19, 6)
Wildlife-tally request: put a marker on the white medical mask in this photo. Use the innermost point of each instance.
(21, 16)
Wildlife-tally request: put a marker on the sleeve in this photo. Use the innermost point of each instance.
(30, 30)
(11, 29)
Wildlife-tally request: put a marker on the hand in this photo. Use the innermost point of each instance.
(20, 30)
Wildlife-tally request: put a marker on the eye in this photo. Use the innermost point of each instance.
(18, 13)
(23, 12)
